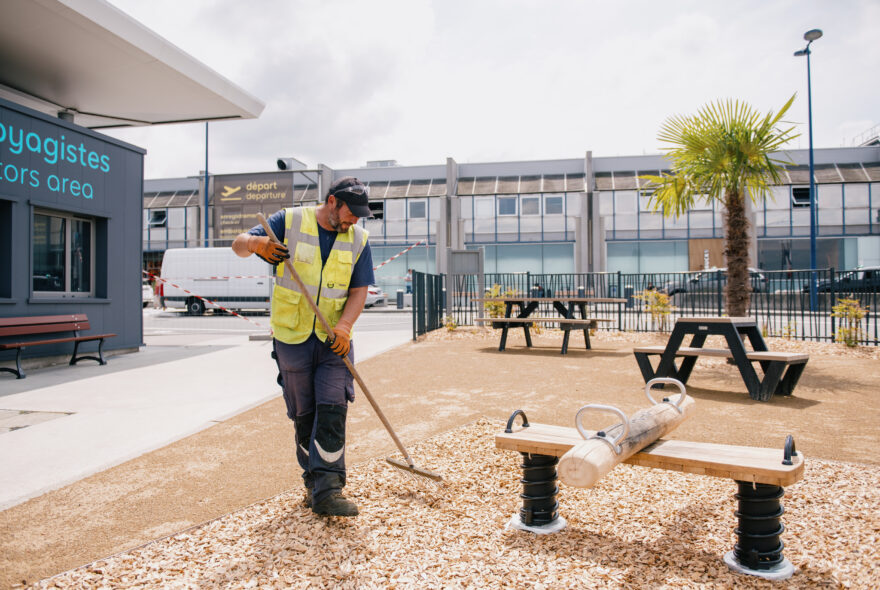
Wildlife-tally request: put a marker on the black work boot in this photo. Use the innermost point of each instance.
(307, 499)
(335, 505)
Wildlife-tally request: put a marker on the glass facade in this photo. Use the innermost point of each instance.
(641, 240)
(533, 258)
(655, 256)
(405, 221)
(532, 232)
(171, 227)
(532, 216)
(526, 218)
(390, 276)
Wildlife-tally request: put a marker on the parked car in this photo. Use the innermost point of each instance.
(861, 280)
(375, 296)
(146, 293)
(712, 281)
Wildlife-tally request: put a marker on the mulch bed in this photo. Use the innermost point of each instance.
(637, 528)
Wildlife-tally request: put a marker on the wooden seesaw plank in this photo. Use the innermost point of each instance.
(756, 464)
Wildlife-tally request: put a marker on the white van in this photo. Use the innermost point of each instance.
(217, 274)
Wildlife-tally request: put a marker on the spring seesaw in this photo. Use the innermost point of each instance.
(580, 458)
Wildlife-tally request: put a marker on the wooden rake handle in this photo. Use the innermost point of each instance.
(329, 330)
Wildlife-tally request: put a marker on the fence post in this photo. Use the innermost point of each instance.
(832, 296)
(423, 311)
(619, 310)
(415, 295)
(720, 292)
(415, 309)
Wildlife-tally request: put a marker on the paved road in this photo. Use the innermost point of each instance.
(63, 423)
(157, 322)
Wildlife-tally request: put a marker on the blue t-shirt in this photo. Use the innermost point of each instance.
(361, 274)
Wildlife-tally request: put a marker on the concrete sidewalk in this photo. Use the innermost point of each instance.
(63, 423)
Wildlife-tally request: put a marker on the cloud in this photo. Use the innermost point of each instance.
(347, 81)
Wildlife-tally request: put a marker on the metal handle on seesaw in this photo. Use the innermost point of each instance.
(671, 381)
(601, 435)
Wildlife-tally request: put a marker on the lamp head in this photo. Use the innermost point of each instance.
(813, 34)
(800, 52)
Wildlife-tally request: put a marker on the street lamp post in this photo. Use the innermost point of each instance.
(809, 37)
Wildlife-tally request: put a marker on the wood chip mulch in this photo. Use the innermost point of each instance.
(638, 528)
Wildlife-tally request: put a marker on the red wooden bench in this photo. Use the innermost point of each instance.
(25, 332)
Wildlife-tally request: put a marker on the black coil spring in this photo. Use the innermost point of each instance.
(758, 544)
(539, 489)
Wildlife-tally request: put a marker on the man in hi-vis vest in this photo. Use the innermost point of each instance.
(332, 257)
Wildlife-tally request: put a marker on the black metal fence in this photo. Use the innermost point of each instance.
(780, 300)
(428, 304)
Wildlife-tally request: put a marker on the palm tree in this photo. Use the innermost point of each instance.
(724, 152)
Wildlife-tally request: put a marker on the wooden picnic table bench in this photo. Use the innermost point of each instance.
(24, 332)
(781, 370)
(564, 306)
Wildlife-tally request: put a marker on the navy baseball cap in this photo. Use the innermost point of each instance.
(353, 193)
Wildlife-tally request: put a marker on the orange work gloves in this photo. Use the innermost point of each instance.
(341, 338)
(265, 248)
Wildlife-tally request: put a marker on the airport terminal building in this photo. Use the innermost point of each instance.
(576, 215)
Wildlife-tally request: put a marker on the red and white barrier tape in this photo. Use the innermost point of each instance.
(214, 303)
(381, 264)
(397, 255)
(223, 278)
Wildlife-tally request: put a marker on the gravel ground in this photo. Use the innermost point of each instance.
(435, 386)
(637, 528)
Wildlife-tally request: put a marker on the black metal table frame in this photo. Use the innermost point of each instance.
(701, 329)
(526, 309)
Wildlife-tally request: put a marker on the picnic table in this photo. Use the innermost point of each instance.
(564, 306)
(781, 369)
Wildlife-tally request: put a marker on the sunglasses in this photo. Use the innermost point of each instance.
(356, 189)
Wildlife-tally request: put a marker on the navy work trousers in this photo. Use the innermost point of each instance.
(317, 387)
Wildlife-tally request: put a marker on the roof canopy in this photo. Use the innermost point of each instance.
(89, 58)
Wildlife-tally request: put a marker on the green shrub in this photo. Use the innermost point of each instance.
(850, 313)
(495, 309)
(659, 305)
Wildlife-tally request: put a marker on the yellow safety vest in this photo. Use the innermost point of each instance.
(293, 320)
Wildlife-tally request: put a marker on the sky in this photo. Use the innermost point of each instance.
(417, 81)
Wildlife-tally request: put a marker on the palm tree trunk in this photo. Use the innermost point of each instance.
(737, 252)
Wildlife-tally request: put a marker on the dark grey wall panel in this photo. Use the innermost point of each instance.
(50, 164)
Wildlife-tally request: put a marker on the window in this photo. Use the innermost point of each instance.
(507, 205)
(377, 208)
(645, 203)
(483, 208)
(552, 205)
(64, 257)
(800, 197)
(531, 205)
(158, 217)
(417, 210)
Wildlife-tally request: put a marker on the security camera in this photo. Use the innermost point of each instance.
(290, 164)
